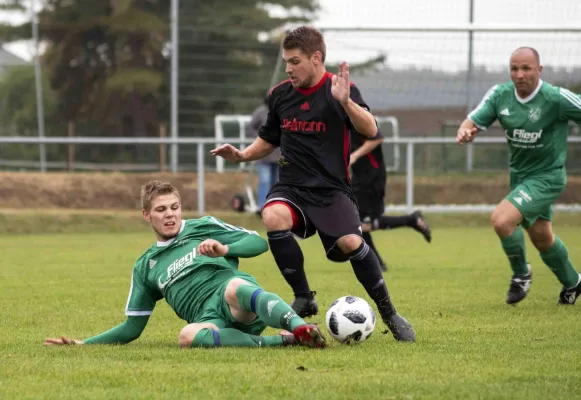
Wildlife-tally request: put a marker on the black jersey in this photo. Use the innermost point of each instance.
(368, 171)
(313, 132)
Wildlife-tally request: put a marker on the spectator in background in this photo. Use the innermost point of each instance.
(267, 167)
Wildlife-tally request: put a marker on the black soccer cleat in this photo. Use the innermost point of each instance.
(401, 330)
(289, 340)
(569, 296)
(421, 225)
(519, 287)
(305, 305)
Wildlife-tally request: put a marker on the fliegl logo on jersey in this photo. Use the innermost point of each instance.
(303, 126)
(174, 269)
(522, 136)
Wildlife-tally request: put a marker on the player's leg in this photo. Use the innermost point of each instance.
(264, 180)
(342, 241)
(415, 220)
(209, 334)
(506, 219)
(555, 255)
(282, 216)
(246, 301)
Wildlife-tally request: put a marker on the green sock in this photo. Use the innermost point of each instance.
(270, 308)
(557, 259)
(229, 337)
(514, 248)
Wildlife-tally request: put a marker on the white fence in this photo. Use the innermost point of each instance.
(205, 144)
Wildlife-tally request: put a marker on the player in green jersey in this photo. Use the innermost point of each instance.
(194, 266)
(535, 117)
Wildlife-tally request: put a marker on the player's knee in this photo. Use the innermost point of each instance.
(502, 223)
(231, 289)
(350, 243)
(277, 218)
(190, 332)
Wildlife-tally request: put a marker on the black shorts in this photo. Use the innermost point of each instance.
(371, 204)
(333, 218)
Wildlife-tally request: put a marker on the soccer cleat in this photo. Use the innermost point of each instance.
(421, 225)
(309, 335)
(519, 287)
(383, 267)
(305, 305)
(401, 330)
(569, 296)
(288, 339)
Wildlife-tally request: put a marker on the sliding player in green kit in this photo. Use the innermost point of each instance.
(535, 117)
(194, 266)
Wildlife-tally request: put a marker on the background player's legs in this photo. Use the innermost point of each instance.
(279, 219)
(208, 334)
(246, 301)
(555, 255)
(505, 221)
(414, 220)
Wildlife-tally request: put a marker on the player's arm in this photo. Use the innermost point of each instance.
(367, 147)
(231, 241)
(350, 99)
(139, 307)
(480, 118)
(570, 106)
(268, 139)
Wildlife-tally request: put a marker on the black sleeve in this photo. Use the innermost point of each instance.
(355, 95)
(270, 131)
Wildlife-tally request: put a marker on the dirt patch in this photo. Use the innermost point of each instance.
(120, 191)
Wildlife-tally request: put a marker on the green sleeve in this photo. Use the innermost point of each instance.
(570, 106)
(248, 246)
(241, 242)
(123, 333)
(484, 114)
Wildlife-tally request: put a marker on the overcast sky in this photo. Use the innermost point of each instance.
(440, 50)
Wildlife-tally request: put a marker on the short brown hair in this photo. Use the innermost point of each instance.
(153, 189)
(306, 39)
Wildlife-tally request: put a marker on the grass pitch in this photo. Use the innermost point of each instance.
(471, 345)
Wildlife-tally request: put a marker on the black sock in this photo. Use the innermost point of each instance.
(289, 259)
(366, 267)
(388, 222)
(369, 241)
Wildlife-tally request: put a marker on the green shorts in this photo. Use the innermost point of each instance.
(534, 196)
(217, 310)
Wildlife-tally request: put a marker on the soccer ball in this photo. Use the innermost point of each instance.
(350, 320)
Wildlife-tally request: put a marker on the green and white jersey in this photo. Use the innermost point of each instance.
(536, 128)
(173, 270)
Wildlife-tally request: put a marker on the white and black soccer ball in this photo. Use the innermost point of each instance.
(350, 320)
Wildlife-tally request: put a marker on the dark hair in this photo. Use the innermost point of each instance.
(534, 51)
(306, 39)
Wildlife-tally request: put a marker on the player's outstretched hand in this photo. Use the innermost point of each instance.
(228, 152)
(340, 85)
(63, 341)
(465, 135)
(212, 248)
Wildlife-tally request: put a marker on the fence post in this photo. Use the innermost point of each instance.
(162, 148)
(201, 191)
(409, 192)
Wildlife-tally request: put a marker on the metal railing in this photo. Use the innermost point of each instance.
(204, 145)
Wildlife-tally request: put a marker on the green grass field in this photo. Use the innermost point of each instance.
(470, 343)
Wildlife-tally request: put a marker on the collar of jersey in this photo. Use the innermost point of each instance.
(163, 244)
(313, 89)
(530, 96)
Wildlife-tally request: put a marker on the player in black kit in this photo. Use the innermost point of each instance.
(310, 118)
(368, 182)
